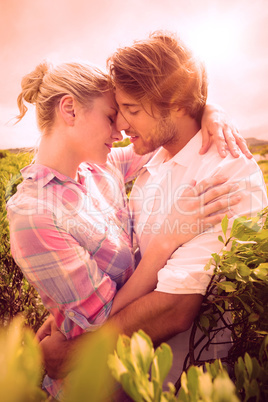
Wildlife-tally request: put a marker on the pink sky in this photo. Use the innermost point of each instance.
(230, 35)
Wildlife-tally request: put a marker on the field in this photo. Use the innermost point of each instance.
(17, 296)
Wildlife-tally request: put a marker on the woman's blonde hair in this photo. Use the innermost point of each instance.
(45, 86)
(162, 71)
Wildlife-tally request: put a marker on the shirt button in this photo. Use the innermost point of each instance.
(71, 314)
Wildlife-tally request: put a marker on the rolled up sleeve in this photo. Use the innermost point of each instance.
(67, 277)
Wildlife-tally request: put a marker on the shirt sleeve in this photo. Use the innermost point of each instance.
(128, 162)
(67, 277)
(184, 272)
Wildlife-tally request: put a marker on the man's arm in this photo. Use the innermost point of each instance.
(160, 315)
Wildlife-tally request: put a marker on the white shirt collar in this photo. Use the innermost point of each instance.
(183, 157)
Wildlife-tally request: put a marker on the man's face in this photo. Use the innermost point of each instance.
(147, 133)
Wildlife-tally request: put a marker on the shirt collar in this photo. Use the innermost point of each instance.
(45, 175)
(181, 158)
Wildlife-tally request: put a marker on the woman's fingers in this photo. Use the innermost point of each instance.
(222, 205)
(211, 196)
(229, 135)
(216, 192)
(206, 141)
(204, 185)
(220, 139)
(242, 144)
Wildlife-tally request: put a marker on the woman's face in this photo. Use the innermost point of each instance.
(96, 129)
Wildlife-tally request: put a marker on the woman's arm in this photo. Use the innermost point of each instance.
(216, 126)
(67, 277)
(192, 208)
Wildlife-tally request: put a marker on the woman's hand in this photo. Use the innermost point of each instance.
(197, 209)
(215, 126)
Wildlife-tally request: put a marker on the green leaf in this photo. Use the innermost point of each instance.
(248, 364)
(192, 377)
(204, 321)
(244, 270)
(253, 317)
(142, 350)
(116, 366)
(130, 388)
(163, 361)
(220, 238)
(227, 286)
(224, 390)
(205, 387)
(224, 225)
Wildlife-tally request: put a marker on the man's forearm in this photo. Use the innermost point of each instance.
(160, 315)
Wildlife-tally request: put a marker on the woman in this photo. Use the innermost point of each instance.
(69, 225)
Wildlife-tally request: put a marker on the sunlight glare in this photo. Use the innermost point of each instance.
(215, 41)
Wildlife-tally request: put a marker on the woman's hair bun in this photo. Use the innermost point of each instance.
(31, 83)
(30, 87)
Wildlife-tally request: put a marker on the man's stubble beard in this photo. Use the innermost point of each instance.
(164, 134)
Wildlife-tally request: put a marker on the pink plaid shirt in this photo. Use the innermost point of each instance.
(72, 239)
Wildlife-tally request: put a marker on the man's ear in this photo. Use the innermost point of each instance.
(67, 109)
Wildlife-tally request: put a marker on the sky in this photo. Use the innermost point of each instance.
(230, 36)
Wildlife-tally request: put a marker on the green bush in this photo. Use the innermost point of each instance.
(16, 295)
(239, 286)
(142, 370)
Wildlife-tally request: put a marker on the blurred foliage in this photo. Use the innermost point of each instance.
(20, 368)
(141, 370)
(16, 295)
(125, 142)
(91, 379)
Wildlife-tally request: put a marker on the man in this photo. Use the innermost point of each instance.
(161, 92)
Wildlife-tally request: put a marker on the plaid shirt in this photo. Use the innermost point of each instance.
(72, 239)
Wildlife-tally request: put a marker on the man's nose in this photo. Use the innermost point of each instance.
(121, 122)
(116, 135)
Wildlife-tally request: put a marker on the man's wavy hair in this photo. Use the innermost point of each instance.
(162, 71)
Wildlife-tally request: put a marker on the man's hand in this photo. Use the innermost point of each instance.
(47, 329)
(54, 348)
(216, 125)
(56, 354)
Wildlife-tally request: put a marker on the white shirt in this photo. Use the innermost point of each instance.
(157, 188)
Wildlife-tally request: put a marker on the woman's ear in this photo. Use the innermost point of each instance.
(67, 109)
